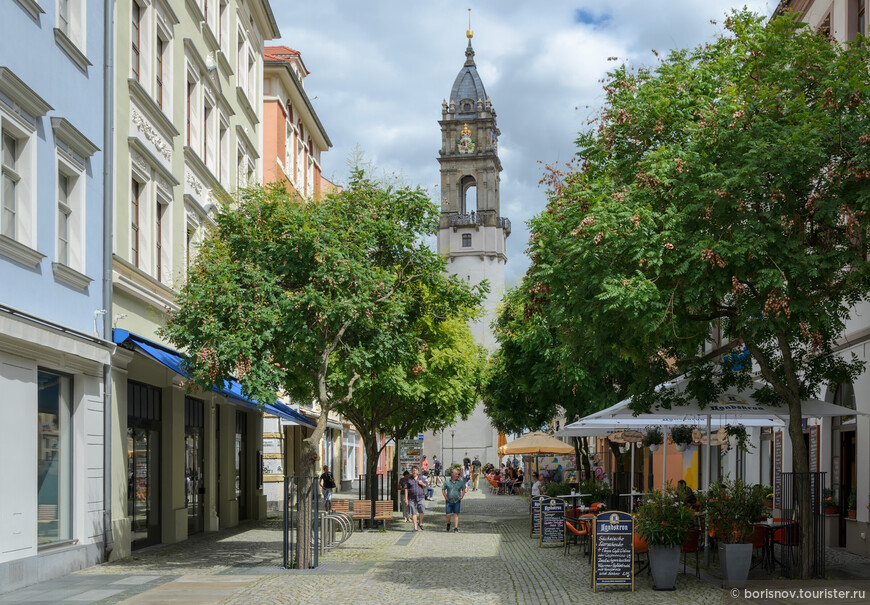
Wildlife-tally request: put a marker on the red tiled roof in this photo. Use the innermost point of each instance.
(283, 53)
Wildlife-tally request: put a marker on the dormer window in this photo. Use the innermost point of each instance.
(467, 106)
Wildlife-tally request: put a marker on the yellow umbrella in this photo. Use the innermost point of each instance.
(536, 443)
(502, 441)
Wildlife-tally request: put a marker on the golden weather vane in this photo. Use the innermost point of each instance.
(469, 33)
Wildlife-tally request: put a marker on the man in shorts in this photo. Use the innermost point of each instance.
(454, 489)
(415, 495)
(436, 464)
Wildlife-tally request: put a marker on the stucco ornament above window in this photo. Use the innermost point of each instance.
(465, 144)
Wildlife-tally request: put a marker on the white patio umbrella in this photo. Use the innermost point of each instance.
(595, 427)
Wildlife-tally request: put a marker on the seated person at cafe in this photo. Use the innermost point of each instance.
(686, 494)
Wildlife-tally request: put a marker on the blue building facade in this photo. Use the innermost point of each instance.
(54, 354)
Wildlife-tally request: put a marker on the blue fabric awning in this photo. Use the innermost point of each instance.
(232, 390)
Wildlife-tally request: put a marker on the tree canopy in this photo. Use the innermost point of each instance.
(721, 193)
(307, 298)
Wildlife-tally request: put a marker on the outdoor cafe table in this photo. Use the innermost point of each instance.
(770, 528)
(631, 496)
(575, 498)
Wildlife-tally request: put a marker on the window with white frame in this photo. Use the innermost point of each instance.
(71, 21)
(300, 159)
(21, 113)
(209, 141)
(11, 152)
(241, 57)
(136, 35)
(70, 208)
(192, 111)
(251, 88)
(54, 458)
(73, 151)
(18, 180)
(349, 454)
(224, 152)
(224, 25)
(136, 199)
(161, 243)
(159, 74)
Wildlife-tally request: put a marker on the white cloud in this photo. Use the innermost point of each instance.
(381, 69)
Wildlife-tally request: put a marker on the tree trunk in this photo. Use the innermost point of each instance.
(371, 445)
(394, 480)
(308, 483)
(801, 489)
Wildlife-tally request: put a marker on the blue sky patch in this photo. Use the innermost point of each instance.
(589, 18)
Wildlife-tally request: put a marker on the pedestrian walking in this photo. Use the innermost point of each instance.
(475, 473)
(403, 497)
(453, 491)
(415, 493)
(327, 484)
(424, 466)
(437, 467)
(428, 480)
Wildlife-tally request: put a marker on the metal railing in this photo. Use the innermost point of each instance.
(384, 480)
(791, 544)
(298, 490)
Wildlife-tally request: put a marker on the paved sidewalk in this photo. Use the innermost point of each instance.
(491, 561)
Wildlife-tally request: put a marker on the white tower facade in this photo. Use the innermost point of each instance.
(472, 234)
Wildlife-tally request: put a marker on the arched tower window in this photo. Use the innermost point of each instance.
(469, 195)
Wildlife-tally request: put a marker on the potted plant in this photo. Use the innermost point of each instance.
(737, 437)
(829, 500)
(653, 438)
(731, 508)
(768, 495)
(664, 522)
(682, 436)
(853, 504)
(598, 491)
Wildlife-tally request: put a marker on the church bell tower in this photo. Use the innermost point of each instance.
(472, 233)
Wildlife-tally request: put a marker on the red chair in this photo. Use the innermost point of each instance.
(641, 548)
(581, 533)
(691, 545)
(789, 536)
(759, 540)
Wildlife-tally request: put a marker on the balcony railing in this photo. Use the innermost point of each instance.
(472, 219)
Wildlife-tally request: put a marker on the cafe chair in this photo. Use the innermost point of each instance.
(691, 546)
(580, 533)
(789, 537)
(641, 548)
(759, 541)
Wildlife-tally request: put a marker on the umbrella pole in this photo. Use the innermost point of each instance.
(706, 491)
(665, 458)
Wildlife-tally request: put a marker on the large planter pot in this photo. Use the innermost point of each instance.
(653, 447)
(664, 562)
(681, 447)
(853, 513)
(735, 560)
(830, 510)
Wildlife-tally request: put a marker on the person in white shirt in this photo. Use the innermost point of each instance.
(536, 486)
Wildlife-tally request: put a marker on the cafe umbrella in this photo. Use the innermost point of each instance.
(537, 443)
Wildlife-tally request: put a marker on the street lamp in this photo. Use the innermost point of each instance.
(452, 447)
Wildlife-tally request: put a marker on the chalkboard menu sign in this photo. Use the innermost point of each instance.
(814, 449)
(613, 550)
(777, 469)
(535, 516)
(553, 522)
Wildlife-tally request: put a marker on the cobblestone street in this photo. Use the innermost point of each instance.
(492, 560)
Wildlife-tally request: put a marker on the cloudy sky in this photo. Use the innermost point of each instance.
(379, 71)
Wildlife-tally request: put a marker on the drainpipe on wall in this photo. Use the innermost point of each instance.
(108, 217)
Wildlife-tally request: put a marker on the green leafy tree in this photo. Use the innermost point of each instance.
(441, 384)
(725, 189)
(304, 298)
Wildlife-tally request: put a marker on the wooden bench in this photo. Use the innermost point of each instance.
(362, 510)
(341, 506)
(384, 511)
